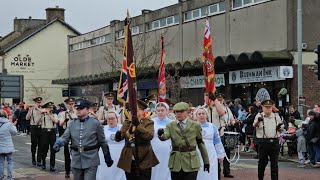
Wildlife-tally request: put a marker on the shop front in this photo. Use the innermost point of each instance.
(261, 83)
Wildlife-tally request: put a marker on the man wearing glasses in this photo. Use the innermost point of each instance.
(266, 124)
(185, 135)
(34, 115)
(87, 136)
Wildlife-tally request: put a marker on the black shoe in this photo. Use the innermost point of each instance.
(67, 175)
(34, 162)
(228, 176)
(39, 164)
(43, 165)
(52, 168)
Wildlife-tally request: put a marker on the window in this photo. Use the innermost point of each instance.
(196, 13)
(163, 22)
(135, 30)
(204, 11)
(243, 3)
(108, 38)
(213, 9)
(155, 24)
(187, 16)
(222, 7)
(176, 19)
(119, 34)
(170, 20)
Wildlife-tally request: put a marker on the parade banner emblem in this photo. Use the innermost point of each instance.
(208, 60)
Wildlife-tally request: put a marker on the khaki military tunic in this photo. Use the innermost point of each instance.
(103, 111)
(268, 127)
(215, 119)
(67, 115)
(35, 118)
(47, 122)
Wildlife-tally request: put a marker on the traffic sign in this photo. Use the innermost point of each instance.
(11, 86)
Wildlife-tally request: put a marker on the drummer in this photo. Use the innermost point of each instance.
(213, 143)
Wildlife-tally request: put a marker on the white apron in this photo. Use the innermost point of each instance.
(113, 172)
(162, 150)
(207, 135)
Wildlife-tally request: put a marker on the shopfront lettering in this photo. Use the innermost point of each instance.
(199, 81)
(261, 73)
(22, 61)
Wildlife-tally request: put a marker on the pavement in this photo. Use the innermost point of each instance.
(244, 169)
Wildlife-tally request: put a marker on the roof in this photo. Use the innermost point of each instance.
(28, 34)
(231, 61)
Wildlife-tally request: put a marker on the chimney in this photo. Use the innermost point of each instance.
(54, 13)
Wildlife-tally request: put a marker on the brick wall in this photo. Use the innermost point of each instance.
(310, 83)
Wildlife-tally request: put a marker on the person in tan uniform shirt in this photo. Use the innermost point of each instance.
(48, 134)
(65, 118)
(34, 116)
(103, 110)
(267, 126)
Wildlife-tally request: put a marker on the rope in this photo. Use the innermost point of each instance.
(236, 154)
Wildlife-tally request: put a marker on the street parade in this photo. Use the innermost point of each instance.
(192, 90)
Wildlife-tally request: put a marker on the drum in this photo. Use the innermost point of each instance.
(231, 139)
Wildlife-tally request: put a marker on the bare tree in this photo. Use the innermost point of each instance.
(37, 91)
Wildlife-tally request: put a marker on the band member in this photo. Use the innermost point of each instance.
(48, 134)
(211, 138)
(152, 102)
(102, 112)
(267, 125)
(161, 148)
(185, 135)
(34, 115)
(137, 158)
(170, 114)
(115, 149)
(86, 136)
(93, 110)
(64, 120)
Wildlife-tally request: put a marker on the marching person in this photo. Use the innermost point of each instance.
(64, 121)
(170, 114)
(34, 116)
(185, 135)
(86, 136)
(102, 112)
(267, 125)
(161, 148)
(211, 138)
(93, 110)
(115, 149)
(137, 158)
(220, 116)
(48, 134)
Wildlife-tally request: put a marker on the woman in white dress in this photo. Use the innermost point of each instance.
(213, 144)
(110, 130)
(161, 148)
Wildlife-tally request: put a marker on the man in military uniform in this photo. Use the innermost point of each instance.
(185, 135)
(221, 116)
(48, 134)
(64, 120)
(93, 110)
(137, 157)
(267, 125)
(171, 114)
(87, 136)
(34, 115)
(102, 112)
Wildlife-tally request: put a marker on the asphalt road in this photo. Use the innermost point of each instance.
(245, 169)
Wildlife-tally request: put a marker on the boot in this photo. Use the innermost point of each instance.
(67, 175)
(52, 168)
(34, 159)
(44, 164)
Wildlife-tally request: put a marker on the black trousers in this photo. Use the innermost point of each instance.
(184, 175)
(145, 174)
(35, 142)
(67, 160)
(268, 149)
(48, 138)
(226, 164)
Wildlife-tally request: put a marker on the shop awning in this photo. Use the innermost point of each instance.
(232, 60)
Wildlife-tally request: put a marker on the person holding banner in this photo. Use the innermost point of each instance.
(137, 157)
(211, 138)
(161, 148)
(115, 148)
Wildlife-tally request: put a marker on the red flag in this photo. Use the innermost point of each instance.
(162, 75)
(208, 60)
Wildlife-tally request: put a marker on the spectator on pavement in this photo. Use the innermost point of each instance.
(22, 118)
(7, 130)
(312, 137)
(295, 113)
(6, 109)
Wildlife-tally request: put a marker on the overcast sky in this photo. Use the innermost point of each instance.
(83, 15)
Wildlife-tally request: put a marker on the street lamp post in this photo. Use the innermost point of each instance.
(299, 44)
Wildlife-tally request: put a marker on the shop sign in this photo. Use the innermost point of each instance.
(198, 81)
(260, 74)
(22, 64)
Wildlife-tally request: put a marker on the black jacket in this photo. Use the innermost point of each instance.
(313, 129)
(249, 122)
(296, 115)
